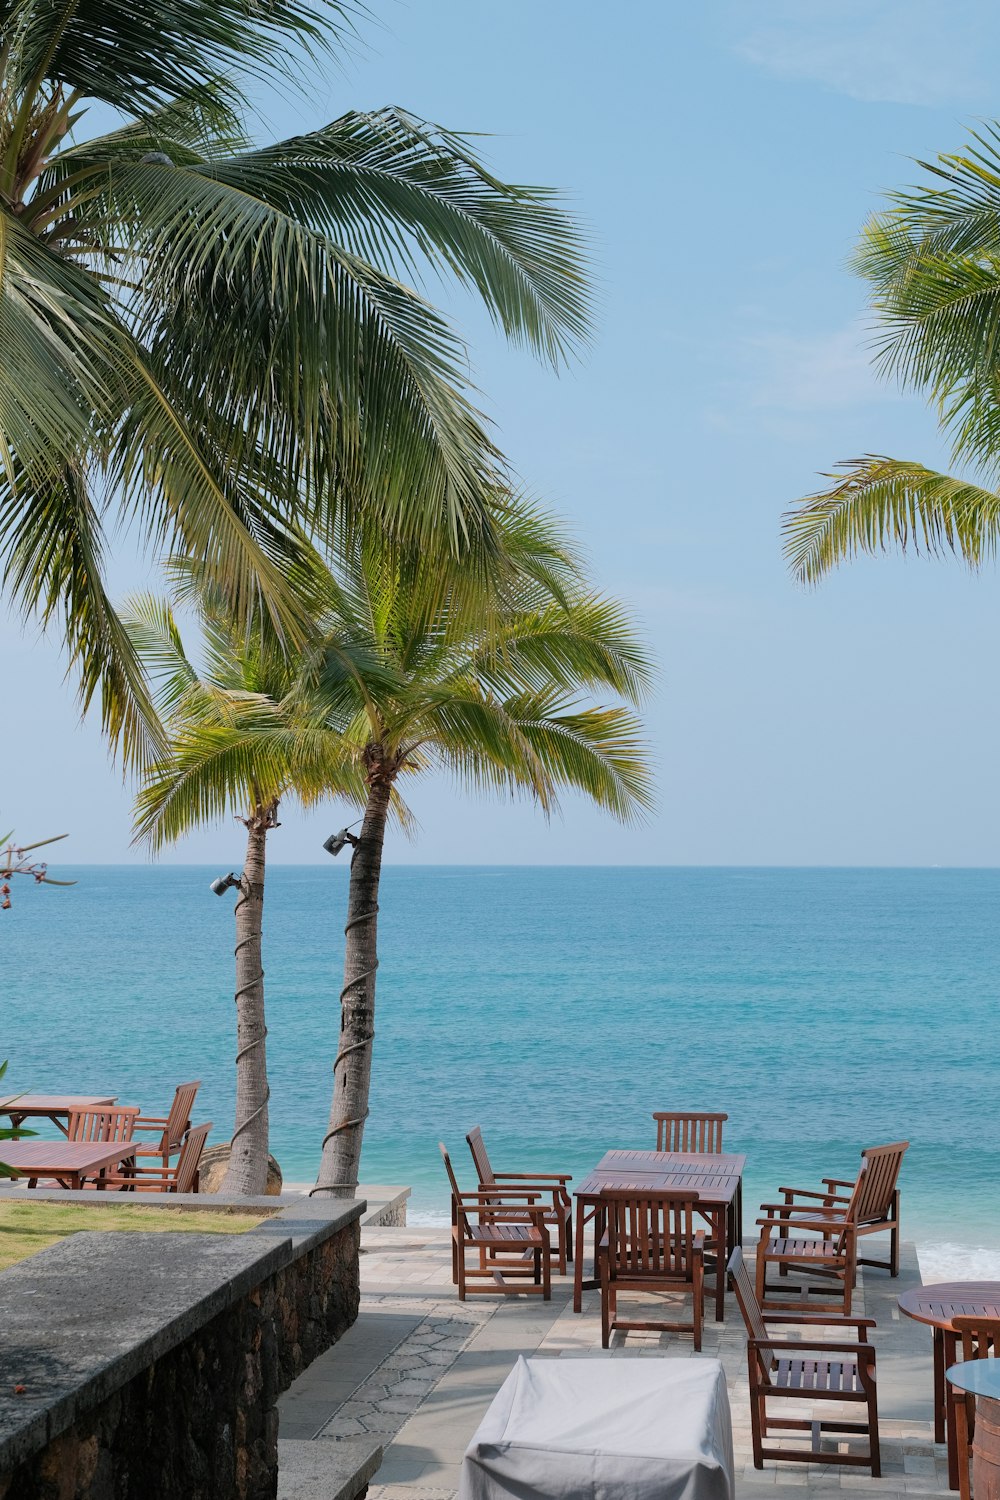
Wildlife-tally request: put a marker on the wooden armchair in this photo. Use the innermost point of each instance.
(980, 1340)
(559, 1208)
(810, 1369)
(877, 1210)
(183, 1178)
(818, 1238)
(508, 1232)
(170, 1128)
(689, 1131)
(650, 1245)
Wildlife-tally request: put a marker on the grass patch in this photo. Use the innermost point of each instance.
(26, 1228)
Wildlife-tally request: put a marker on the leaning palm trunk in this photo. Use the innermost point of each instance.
(247, 1172)
(338, 1172)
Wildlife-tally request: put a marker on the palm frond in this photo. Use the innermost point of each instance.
(879, 503)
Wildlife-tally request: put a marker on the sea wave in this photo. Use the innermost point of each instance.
(948, 1261)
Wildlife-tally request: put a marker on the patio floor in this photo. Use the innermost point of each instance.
(419, 1369)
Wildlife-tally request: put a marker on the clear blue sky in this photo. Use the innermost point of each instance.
(724, 157)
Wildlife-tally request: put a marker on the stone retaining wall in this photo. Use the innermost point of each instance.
(141, 1366)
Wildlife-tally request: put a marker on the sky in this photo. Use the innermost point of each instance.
(723, 158)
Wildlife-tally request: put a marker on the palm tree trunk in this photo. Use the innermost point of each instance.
(247, 1172)
(338, 1171)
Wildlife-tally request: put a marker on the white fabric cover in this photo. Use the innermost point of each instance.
(605, 1429)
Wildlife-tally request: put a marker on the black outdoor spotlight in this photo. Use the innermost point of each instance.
(337, 841)
(224, 883)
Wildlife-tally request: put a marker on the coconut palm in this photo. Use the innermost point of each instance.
(239, 743)
(422, 675)
(415, 666)
(218, 341)
(933, 262)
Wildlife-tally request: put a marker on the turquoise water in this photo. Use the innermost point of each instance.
(557, 1008)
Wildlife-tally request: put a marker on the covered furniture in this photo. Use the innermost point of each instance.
(978, 1380)
(508, 1235)
(591, 1429)
(169, 1129)
(688, 1130)
(651, 1245)
(550, 1186)
(872, 1199)
(810, 1370)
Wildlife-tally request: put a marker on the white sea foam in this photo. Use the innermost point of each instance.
(948, 1261)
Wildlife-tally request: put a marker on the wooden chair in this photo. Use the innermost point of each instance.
(980, 1340)
(507, 1230)
(172, 1127)
(872, 1206)
(107, 1124)
(689, 1131)
(805, 1370)
(183, 1178)
(878, 1211)
(558, 1213)
(650, 1245)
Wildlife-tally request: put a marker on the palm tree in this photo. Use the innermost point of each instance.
(218, 341)
(933, 262)
(421, 672)
(239, 742)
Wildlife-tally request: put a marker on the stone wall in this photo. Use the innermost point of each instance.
(148, 1366)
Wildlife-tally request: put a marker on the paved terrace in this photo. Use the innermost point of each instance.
(419, 1368)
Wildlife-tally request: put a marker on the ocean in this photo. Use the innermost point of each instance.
(824, 1010)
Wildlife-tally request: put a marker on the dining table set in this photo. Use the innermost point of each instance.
(98, 1143)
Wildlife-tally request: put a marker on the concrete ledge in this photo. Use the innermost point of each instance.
(327, 1469)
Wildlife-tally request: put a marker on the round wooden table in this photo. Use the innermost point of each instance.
(936, 1305)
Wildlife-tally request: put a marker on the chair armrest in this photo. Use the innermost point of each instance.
(784, 1210)
(813, 1346)
(150, 1120)
(158, 1125)
(832, 1182)
(818, 1320)
(497, 1197)
(791, 1193)
(821, 1226)
(533, 1176)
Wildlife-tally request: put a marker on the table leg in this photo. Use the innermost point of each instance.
(939, 1386)
(949, 1354)
(578, 1258)
(720, 1228)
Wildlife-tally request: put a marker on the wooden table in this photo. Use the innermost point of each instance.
(69, 1162)
(716, 1178)
(937, 1305)
(54, 1107)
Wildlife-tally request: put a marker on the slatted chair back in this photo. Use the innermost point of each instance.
(480, 1157)
(109, 1124)
(190, 1158)
(458, 1213)
(690, 1130)
(179, 1117)
(980, 1337)
(874, 1191)
(650, 1237)
(753, 1316)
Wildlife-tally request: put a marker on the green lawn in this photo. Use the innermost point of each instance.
(28, 1227)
